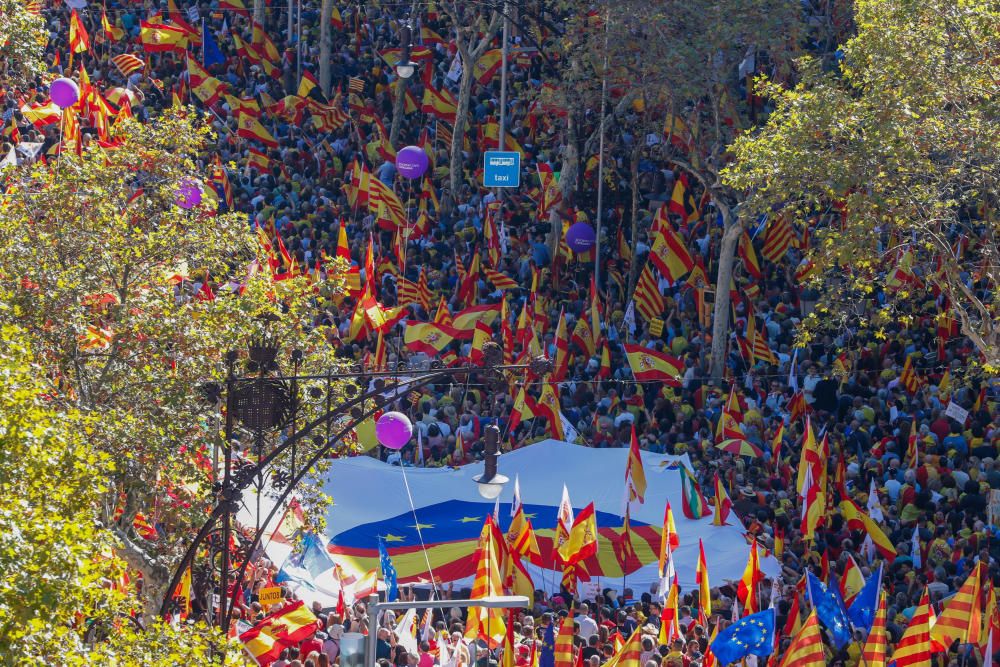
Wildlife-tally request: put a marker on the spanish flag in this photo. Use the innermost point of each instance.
(41, 115)
(521, 538)
(487, 66)
(439, 103)
(264, 44)
(746, 591)
(669, 253)
(523, 409)
(548, 406)
(110, 32)
(635, 474)
(235, 6)
(857, 519)
(582, 542)
(650, 365)
(204, 85)
(250, 128)
(480, 336)
(159, 37)
(428, 337)
(79, 40)
(704, 590)
(669, 540)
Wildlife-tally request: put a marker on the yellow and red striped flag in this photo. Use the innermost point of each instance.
(962, 617)
(648, 301)
(875, 648)
(564, 643)
(914, 648)
(127, 63)
(806, 649)
(630, 654)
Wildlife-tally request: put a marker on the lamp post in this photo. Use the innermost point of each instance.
(491, 482)
(266, 402)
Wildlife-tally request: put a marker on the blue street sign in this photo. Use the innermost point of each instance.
(501, 169)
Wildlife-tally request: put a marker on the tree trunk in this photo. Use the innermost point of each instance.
(398, 110)
(155, 575)
(633, 267)
(325, 44)
(720, 317)
(461, 118)
(567, 182)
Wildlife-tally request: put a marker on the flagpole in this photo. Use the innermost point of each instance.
(600, 162)
(420, 536)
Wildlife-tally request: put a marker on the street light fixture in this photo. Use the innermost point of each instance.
(491, 482)
(405, 67)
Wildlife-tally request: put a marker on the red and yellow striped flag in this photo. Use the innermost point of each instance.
(962, 617)
(875, 648)
(487, 624)
(630, 654)
(806, 649)
(915, 646)
(564, 644)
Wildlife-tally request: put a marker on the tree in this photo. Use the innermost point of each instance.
(473, 36)
(22, 43)
(99, 264)
(50, 548)
(903, 139)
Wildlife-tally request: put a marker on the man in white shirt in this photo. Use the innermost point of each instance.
(588, 626)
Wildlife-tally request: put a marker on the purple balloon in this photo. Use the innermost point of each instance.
(580, 237)
(393, 430)
(412, 161)
(188, 195)
(64, 92)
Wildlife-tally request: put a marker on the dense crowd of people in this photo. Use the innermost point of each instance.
(885, 400)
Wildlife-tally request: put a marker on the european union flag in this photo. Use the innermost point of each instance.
(751, 635)
(547, 657)
(388, 573)
(212, 54)
(314, 558)
(830, 610)
(862, 611)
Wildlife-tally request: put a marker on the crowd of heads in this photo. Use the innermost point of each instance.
(850, 379)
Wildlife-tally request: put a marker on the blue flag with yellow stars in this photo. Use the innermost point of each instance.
(388, 573)
(751, 635)
(829, 610)
(547, 656)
